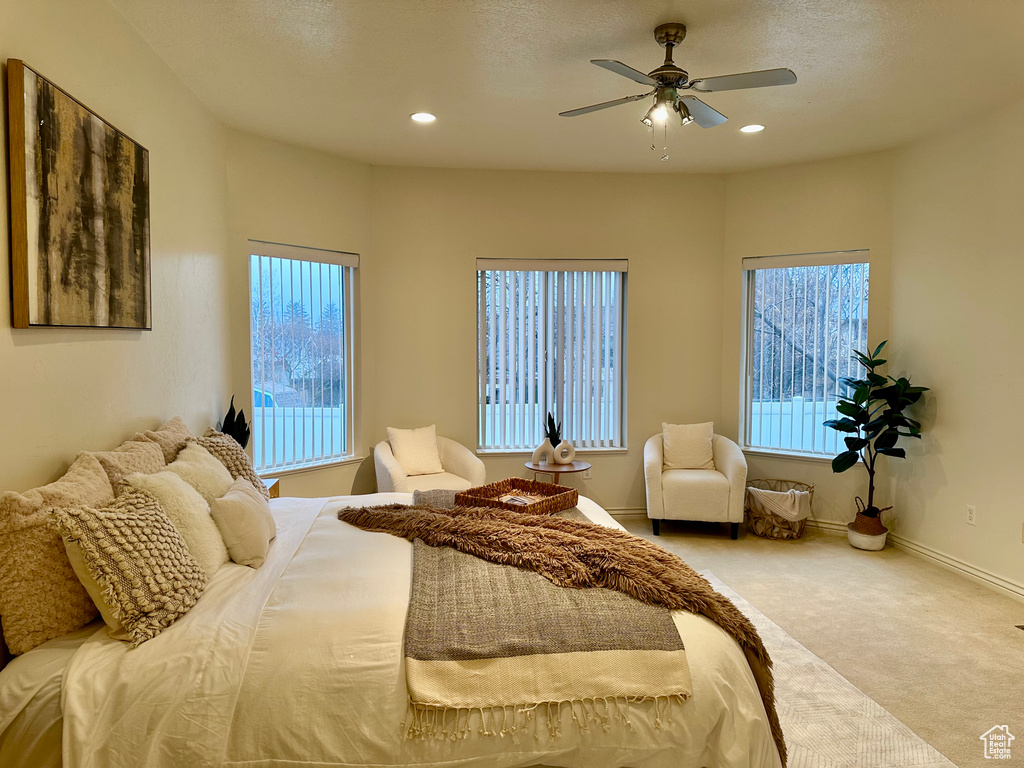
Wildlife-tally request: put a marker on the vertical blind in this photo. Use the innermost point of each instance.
(805, 317)
(551, 338)
(301, 320)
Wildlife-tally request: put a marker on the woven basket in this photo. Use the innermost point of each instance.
(767, 524)
(555, 498)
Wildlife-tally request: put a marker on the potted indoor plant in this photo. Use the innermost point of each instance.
(873, 421)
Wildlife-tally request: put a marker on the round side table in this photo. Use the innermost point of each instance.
(555, 470)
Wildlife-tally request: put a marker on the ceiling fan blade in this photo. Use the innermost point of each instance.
(736, 82)
(603, 105)
(621, 69)
(702, 114)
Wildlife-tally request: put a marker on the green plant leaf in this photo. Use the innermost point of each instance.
(879, 348)
(877, 380)
(844, 461)
(899, 453)
(854, 443)
(848, 408)
(861, 395)
(887, 439)
(841, 425)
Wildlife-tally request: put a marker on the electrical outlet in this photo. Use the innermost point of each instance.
(972, 515)
(587, 474)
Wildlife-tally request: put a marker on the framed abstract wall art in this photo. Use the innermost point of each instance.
(79, 193)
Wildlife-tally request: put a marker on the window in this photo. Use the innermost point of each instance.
(805, 316)
(552, 338)
(301, 310)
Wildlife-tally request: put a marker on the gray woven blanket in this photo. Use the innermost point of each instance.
(505, 641)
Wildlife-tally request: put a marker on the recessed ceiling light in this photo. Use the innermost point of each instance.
(423, 117)
(752, 128)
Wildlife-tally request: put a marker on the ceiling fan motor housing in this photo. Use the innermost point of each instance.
(672, 33)
(668, 37)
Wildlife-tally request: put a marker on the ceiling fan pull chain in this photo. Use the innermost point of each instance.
(664, 157)
(653, 147)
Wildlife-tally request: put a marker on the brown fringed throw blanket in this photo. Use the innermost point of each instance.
(442, 638)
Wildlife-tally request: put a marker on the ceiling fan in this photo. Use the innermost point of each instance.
(668, 80)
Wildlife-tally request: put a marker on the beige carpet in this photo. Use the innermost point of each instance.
(827, 721)
(938, 651)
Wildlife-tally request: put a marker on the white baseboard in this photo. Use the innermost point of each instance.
(618, 512)
(978, 575)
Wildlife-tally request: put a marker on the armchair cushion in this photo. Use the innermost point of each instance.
(416, 450)
(439, 481)
(460, 469)
(695, 494)
(688, 446)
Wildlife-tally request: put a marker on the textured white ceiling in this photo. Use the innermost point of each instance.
(344, 75)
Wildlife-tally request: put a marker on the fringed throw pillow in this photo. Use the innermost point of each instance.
(131, 548)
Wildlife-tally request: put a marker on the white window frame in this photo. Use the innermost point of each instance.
(591, 328)
(750, 266)
(329, 454)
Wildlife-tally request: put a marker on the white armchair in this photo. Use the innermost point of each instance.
(462, 469)
(714, 495)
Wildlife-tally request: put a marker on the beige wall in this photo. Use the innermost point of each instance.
(284, 194)
(429, 227)
(958, 274)
(835, 205)
(64, 391)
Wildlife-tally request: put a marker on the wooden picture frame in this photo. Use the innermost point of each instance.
(79, 198)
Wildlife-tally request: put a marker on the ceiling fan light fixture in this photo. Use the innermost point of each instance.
(754, 128)
(422, 117)
(684, 114)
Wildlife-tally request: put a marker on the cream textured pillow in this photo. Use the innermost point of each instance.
(688, 446)
(245, 522)
(202, 471)
(77, 559)
(190, 514)
(170, 436)
(40, 597)
(139, 560)
(128, 458)
(416, 450)
(234, 458)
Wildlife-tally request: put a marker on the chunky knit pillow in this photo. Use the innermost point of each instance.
(171, 436)
(232, 456)
(137, 557)
(128, 458)
(40, 597)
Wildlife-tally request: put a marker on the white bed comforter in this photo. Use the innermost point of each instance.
(300, 663)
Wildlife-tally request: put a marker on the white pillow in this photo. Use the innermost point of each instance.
(244, 519)
(203, 471)
(688, 446)
(190, 514)
(416, 450)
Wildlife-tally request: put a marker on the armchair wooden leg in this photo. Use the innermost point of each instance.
(734, 531)
(656, 525)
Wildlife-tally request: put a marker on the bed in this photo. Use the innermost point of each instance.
(300, 663)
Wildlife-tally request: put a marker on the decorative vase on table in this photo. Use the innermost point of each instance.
(554, 450)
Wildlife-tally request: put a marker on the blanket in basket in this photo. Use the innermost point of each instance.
(473, 643)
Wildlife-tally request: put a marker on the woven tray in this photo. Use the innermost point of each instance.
(768, 525)
(545, 498)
